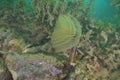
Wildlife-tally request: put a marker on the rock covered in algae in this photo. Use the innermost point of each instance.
(33, 67)
(66, 33)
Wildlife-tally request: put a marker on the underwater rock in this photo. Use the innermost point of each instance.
(66, 33)
(33, 67)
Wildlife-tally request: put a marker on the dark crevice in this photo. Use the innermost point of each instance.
(5, 74)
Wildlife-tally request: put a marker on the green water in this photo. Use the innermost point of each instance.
(103, 10)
